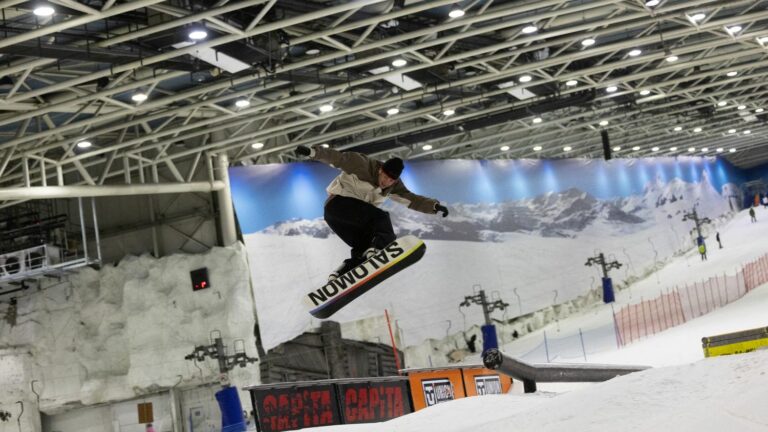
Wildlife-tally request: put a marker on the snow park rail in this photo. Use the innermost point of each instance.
(648, 317)
(530, 374)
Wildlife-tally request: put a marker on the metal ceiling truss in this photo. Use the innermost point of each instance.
(70, 77)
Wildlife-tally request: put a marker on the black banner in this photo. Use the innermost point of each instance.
(374, 401)
(280, 409)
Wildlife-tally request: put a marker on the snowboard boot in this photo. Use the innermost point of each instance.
(371, 251)
(346, 266)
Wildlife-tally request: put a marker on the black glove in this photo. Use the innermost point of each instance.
(303, 151)
(441, 208)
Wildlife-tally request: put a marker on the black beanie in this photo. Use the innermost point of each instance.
(393, 167)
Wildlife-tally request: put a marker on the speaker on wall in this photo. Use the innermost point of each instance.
(200, 279)
(606, 145)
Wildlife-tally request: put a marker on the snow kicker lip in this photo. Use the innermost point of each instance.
(338, 293)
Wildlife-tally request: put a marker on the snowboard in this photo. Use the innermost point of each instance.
(334, 295)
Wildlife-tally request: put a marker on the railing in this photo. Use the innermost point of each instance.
(530, 374)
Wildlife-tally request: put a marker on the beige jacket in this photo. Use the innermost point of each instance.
(359, 179)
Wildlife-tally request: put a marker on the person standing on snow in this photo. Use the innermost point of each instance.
(703, 252)
(351, 209)
(752, 214)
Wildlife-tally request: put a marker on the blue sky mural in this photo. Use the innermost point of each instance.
(266, 194)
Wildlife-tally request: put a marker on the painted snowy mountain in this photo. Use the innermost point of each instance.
(666, 200)
(561, 214)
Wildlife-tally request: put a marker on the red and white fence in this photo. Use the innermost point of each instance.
(687, 302)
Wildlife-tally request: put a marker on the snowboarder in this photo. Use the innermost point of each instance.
(703, 252)
(351, 209)
(752, 214)
(717, 237)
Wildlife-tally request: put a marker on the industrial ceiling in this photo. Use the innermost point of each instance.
(94, 92)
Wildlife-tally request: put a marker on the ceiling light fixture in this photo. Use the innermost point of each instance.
(691, 149)
(747, 132)
(504, 148)
(312, 51)
(530, 29)
(722, 103)
(697, 17)
(324, 145)
(567, 148)
(257, 145)
(84, 144)
(635, 52)
(537, 148)
(399, 62)
(43, 11)
(426, 147)
(604, 123)
(654, 149)
(733, 150)
(525, 78)
(719, 150)
(677, 128)
(697, 130)
(636, 148)
(730, 131)
(571, 83)
(617, 148)
(537, 119)
(672, 58)
(326, 108)
(242, 103)
(456, 12)
(673, 149)
(587, 42)
(733, 29)
(705, 149)
(645, 92)
(611, 89)
(139, 97)
(393, 111)
(732, 73)
(197, 33)
(652, 3)
(449, 112)
(741, 107)
(759, 110)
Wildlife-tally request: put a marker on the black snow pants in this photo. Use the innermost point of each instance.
(359, 224)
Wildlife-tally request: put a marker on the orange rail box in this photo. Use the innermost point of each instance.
(432, 386)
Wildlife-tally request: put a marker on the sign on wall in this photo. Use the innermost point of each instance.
(437, 391)
(373, 402)
(295, 407)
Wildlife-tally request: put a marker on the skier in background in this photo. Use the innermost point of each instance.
(703, 252)
(752, 214)
(765, 201)
(717, 237)
(351, 209)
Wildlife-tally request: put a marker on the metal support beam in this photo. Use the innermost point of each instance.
(50, 192)
(226, 212)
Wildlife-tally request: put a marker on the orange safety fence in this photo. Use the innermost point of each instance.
(683, 303)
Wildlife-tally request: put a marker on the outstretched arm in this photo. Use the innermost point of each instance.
(349, 162)
(416, 202)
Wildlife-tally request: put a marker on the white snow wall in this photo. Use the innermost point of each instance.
(122, 331)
